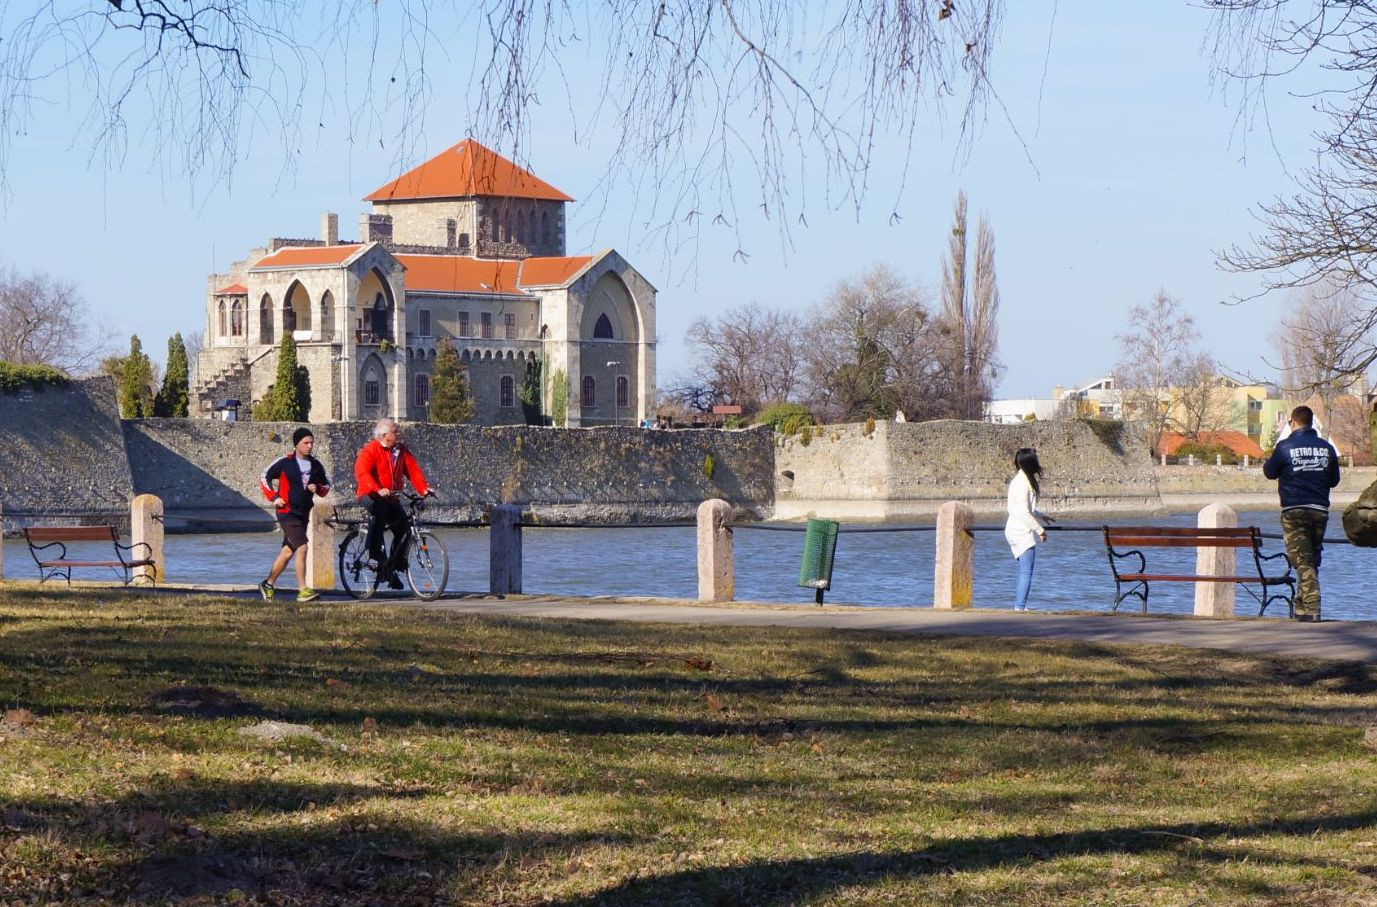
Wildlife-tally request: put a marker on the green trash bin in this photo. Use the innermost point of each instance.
(819, 545)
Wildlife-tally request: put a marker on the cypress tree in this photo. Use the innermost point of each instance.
(530, 393)
(135, 378)
(450, 399)
(173, 399)
(284, 400)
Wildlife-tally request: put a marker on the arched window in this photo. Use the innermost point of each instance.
(327, 315)
(507, 391)
(422, 390)
(288, 318)
(590, 397)
(236, 319)
(623, 391)
(265, 321)
(603, 329)
(223, 332)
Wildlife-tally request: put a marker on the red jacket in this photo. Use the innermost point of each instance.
(373, 469)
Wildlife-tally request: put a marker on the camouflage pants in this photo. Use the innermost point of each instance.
(1303, 530)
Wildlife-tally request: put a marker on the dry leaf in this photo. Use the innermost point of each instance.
(698, 664)
(370, 725)
(19, 717)
(714, 703)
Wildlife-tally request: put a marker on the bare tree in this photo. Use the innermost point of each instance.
(46, 323)
(1157, 352)
(1316, 343)
(1323, 232)
(194, 342)
(970, 308)
(748, 355)
(691, 85)
(1203, 402)
(871, 350)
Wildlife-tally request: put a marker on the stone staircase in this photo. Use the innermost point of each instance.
(232, 382)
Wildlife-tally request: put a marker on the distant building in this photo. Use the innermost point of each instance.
(467, 246)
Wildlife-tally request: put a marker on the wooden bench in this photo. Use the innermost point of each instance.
(1122, 542)
(48, 546)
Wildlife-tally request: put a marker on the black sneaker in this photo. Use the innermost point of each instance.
(1308, 618)
(394, 581)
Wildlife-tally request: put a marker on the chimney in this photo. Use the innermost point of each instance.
(329, 228)
(375, 228)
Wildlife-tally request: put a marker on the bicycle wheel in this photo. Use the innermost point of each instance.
(354, 573)
(427, 566)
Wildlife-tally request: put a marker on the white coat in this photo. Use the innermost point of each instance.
(1024, 528)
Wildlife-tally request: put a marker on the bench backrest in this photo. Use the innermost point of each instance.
(1181, 537)
(45, 534)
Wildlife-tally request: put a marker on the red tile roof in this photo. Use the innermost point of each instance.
(307, 256)
(1236, 441)
(460, 274)
(465, 170)
(234, 289)
(551, 272)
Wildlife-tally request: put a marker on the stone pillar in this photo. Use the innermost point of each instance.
(1164, 459)
(1247, 461)
(1215, 599)
(1219, 459)
(504, 550)
(320, 549)
(146, 526)
(716, 572)
(951, 584)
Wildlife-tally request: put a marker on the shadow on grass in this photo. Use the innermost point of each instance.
(781, 882)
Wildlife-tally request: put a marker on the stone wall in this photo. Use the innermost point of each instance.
(207, 471)
(907, 470)
(1186, 488)
(63, 454)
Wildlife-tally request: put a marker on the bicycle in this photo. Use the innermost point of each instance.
(417, 551)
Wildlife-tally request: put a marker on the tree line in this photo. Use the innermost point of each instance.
(877, 345)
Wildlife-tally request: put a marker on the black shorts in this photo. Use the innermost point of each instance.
(293, 530)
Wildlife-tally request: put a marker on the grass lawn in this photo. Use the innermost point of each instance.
(465, 760)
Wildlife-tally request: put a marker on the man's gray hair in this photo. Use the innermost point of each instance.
(383, 426)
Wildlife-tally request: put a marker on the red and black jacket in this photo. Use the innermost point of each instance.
(290, 494)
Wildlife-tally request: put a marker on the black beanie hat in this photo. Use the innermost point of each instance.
(301, 433)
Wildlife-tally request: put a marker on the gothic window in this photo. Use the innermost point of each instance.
(424, 319)
(222, 332)
(288, 318)
(327, 315)
(486, 318)
(509, 326)
(370, 392)
(465, 330)
(422, 390)
(236, 319)
(603, 329)
(623, 391)
(507, 394)
(265, 321)
(589, 391)
(463, 244)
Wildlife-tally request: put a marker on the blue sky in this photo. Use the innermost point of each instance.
(1117, 170)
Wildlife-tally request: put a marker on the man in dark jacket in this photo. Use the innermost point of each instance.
(294, 482)
(1307, 467)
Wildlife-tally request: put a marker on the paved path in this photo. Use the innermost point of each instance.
(1339, 640)
(1336, 640)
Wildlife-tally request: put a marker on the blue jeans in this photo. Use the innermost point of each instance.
(1026, 560)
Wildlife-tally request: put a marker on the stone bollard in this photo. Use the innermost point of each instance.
(951, 584)
(716, 572)
(1190, 459)
(146, 527)
(1219, 459)
(1164, 459)
(320, 547)
(1214, 599)
(504, 550)
(1247, 461)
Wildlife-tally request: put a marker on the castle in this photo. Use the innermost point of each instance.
(468, 246)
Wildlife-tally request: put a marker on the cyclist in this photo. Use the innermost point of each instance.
(379, 471)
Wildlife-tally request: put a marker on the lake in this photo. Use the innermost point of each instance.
(892, 569)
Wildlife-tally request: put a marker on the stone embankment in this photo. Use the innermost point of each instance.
(1189, 488)
(900, 471)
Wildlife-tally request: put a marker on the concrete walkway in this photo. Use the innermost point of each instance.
(1328, 640)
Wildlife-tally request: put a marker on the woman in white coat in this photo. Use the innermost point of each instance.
(1025, 529)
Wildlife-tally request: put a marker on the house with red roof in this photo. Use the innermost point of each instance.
(467, 246)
